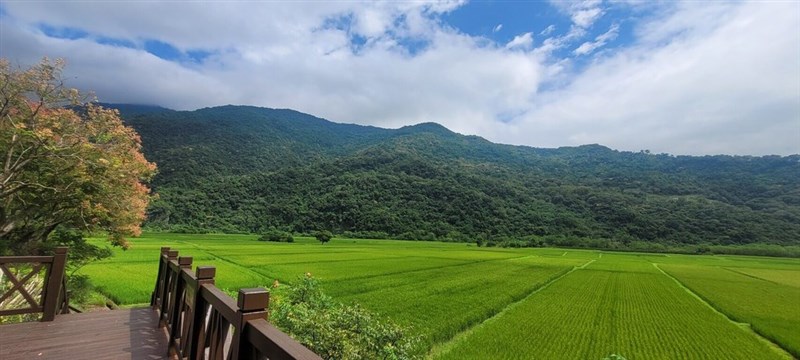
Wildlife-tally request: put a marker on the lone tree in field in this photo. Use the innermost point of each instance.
(64, 168)
(323, 236)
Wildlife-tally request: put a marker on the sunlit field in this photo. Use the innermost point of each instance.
(469, 302)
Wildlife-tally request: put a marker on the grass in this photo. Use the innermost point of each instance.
(443, 301)
(470, 302)
(618, 304)
(767, 299)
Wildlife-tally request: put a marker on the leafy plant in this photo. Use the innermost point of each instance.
(334, 330)
(276, 236)
(323, 236)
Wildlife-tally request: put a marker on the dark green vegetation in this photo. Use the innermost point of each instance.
(323, 236)
(245, 169)
(276, 236)
(465, 302)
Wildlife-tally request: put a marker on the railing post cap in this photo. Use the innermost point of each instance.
(185, 261)
(172, 254)
(164, 249)
(252, 299)
(61, 250)
(205, 272)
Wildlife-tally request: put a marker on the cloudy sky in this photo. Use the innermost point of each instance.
(692, 77)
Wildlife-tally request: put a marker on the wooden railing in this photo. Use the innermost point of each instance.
(21, 272)
(205, 323)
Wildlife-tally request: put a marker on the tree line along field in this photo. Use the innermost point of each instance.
(469, 302)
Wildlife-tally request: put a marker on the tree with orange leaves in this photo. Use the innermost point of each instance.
(65, 164)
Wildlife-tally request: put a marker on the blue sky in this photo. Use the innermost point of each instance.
(700, 77)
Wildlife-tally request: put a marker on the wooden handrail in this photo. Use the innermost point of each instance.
(205, 323)
(53, 298)
(269, 340)
(25, 259)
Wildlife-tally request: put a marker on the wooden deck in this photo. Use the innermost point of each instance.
(117, 334)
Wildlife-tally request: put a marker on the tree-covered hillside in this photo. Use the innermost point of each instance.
(248, 169)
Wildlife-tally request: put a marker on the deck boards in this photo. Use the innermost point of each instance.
(118, 334)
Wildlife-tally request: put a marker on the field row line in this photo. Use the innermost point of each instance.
(356, 278)
(247, 269)
(383, 257)
(750, 276)
(257, 271)
(744, 326)
(445, 347)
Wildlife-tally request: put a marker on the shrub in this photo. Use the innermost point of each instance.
(333, 330)
(323, 236)
(276, 236)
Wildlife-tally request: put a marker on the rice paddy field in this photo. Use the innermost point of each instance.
(466, 302)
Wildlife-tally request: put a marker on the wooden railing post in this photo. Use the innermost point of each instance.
(252, 304)
(176, 307)
(157, 294)
(169, 278)
(200, 318)
(55, 277)
(196, 337)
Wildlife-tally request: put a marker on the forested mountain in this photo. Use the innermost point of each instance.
(248, 169)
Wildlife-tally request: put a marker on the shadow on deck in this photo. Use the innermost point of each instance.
(118, 334)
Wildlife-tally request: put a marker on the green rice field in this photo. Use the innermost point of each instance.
(466, 302)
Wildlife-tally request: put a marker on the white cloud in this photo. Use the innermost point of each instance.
(689, 87)
(699, 78)
(601, 40)
(586, 17)
(523, 41)
(582, 13)
(294, 61)
(554, 43)
(497, 28)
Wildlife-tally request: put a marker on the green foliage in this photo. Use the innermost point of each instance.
(80, 289)
(323, 236)
(300, 173)
(336, 331)
(81, 252)
(277, 236)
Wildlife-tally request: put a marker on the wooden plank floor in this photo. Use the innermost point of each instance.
(117, 334)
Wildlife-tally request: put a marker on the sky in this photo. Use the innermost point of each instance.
(678, 77)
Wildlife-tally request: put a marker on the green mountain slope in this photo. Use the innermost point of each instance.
(248, 169)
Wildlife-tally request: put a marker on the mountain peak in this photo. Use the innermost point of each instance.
(426, 127)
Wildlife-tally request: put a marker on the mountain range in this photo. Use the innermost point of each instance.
(250, 169)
